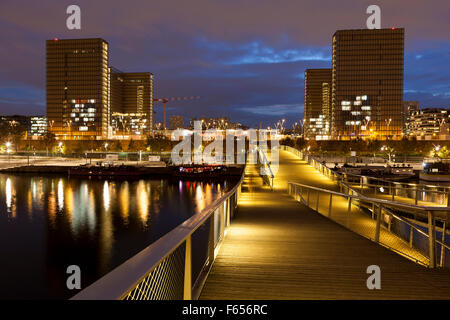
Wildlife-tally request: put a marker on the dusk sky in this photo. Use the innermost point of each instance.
(245, 58)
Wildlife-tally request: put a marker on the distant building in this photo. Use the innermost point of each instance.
(83, 90)
(176, 122)
(128, 124)
(317, 103)
(131, 93)
(38, 126)
(212, 123)
(78, 88)
(430, 123)
(367, 63)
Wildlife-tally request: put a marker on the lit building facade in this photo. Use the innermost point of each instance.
(429, 123)
(128, 124)
(38, 126)
(367, 63)
(78, 88)
(131, 100)
(317, 112)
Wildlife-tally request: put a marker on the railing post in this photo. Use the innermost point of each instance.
(227, 206)
(349, 209)
(377, 228)
(411, 233)
(442, 245)
(188, 270)
(373, 209)
(329, 206)
(432, 239)
(393, 192)
(211, 240)
(317, 201)
(417, 196)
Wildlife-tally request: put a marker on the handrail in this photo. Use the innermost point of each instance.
(378, 201)
(385, 204)
(266, 163)
(127, 276)
(432, 213)
(392, 185)
(420, 185)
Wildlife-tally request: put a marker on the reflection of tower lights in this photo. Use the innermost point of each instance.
(199, 198)
(92, 220)
(60, 195)
(8, 194)
(142, 198)
(124, 201)
(51, 209)
(69, 202)
(106, 197)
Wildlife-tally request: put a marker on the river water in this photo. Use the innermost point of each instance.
(49, 222)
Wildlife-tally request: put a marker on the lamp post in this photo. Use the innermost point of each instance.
(436, 150)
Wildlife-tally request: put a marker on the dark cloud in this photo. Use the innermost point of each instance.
(246, 58)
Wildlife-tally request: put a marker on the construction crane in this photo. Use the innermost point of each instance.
(165, 100)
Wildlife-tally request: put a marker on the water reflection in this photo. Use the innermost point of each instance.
(124, 201)
(60, 195)
(142, 202)
(95, 224)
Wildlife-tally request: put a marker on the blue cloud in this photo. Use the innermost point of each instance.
(276, 110)
(257, 53)
(22, 94)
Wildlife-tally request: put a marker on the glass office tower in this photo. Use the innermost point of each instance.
(367, 83)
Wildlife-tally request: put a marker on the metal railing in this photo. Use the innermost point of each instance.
(265, 169)
(417, 192)
(381, 211)
(333, 175)
(407, 230)
(175, 266)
